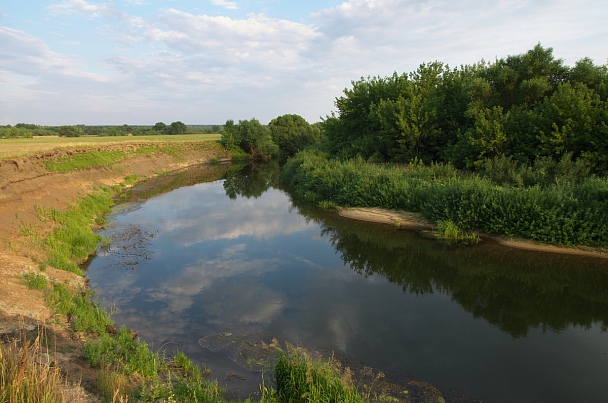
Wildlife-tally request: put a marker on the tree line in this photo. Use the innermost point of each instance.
(521, 107)
(28, 130)
(284, 135)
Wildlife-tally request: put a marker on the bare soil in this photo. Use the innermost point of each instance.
(25, 185)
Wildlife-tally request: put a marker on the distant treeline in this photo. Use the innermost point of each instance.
(28, 130)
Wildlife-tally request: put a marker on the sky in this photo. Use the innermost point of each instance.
(139, 62)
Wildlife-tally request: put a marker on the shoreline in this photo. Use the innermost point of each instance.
(27, 187)
(415, 222)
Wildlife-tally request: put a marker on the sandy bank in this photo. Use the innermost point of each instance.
(415, 221)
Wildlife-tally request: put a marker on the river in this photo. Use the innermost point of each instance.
(237, 255)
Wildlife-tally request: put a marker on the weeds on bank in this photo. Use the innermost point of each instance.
(86, 159)
(27, 373)
(300, 377)
(558, 206)
(449, 232)
(73, 240)
(35, 281)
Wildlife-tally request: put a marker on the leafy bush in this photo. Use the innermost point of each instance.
(568, 212)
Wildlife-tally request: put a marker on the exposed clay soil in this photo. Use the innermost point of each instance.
(25, 185)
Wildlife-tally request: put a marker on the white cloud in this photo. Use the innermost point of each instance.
(230, 5)
(25, 55)
(257, 40)
(70, 7)
(177, 62)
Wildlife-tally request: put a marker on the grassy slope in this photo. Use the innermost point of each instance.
(13, 148)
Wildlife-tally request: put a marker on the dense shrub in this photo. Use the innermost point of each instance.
(567, 213)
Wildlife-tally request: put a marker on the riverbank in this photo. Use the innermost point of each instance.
(415, 221)
(48, 181)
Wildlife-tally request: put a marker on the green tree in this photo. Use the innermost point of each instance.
(409, 122)
(594, 77)
(176, 128)
(160, 127)
(293, 133)
(525, 78)
(256, 139)
(575, 120)
(486, 139)
(353, 131)
(231, 137)
(251, 136)
(69, 131)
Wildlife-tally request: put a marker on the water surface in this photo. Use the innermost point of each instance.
(238, 254)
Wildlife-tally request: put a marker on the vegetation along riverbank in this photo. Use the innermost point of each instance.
(514, 148)
(517, 148)
(59, 346)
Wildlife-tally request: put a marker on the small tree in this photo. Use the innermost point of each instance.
(160, 127)
(177, 128)
(230, 135)
(69, 131)
(292, 133)
(251, 136)
(256, 139)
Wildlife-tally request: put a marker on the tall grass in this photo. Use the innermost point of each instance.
(562, 213)
(301, 378)
(27, 373)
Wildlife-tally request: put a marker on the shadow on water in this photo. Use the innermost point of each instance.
(513, 289)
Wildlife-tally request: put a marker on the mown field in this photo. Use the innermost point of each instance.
(20, 147)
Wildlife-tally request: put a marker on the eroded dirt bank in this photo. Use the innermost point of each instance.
(25, 186)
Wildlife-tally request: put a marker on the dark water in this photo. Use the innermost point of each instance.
(238, 255)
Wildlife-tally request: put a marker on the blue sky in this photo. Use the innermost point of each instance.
(203, 62)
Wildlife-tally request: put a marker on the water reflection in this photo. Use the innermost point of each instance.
(194, 262)
(513, 289)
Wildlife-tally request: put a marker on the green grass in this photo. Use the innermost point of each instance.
(35, 281)
(87, 159)
(73, 240)
(450, 233)
(300, 378)
(19, 147)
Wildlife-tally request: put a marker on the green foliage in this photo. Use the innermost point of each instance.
(83, 315)
(251, 136)
(69, 131)
(174, 128)
(450, 233)
(73, 240)
(35, 281)
(8, 132)
(293, 133)
(84, 160)
(568, 213)
(524, 106)
(300, 378)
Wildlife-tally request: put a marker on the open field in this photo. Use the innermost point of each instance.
(12, 148)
